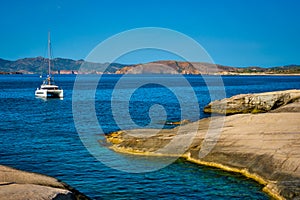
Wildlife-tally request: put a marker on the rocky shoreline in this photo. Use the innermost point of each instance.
(19, 185)
(264, 147)
(253, 103)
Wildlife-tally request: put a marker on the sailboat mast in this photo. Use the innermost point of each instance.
(49, 54)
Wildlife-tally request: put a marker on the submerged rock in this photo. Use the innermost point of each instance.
(182, 122)
(253, 103)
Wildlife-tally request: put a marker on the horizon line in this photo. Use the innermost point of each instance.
(292, 64)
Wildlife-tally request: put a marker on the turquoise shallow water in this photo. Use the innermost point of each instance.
(40, 136)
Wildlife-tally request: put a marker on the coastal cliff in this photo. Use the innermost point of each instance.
(264, 147)
(19, 185)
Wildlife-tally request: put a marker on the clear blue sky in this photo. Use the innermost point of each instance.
(234, 32)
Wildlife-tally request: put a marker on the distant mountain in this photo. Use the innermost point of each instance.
(39, 65)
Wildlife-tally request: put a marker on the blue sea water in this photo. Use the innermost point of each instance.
(40, 136)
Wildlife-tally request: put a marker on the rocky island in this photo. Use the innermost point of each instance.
(19, 185)
(262, 146)
(39, 65)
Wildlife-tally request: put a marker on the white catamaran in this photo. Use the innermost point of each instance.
(48, 89)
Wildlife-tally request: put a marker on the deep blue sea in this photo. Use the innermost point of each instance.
(40, 136)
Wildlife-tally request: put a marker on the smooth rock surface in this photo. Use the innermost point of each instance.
(253, 103)
(265, 147)
(13, 191)
(20, 185)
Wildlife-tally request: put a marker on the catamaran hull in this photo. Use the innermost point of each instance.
(49, 93)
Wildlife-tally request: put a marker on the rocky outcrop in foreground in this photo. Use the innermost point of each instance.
(264, 147)
(20, 185)
(253, 103)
